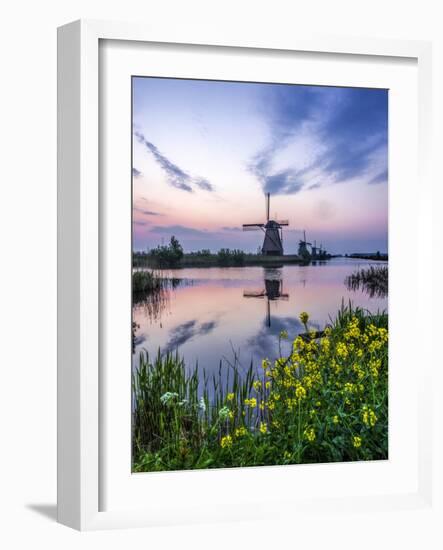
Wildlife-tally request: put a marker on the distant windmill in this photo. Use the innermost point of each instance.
(273, 291)
(273, 241)
(303, 247)
(323, 253)
(314, 249)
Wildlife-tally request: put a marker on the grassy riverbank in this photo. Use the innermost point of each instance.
(231, 259)
(326, 402)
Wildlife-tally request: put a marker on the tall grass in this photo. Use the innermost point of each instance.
(179, 413)
(327, 401)
(148, 281)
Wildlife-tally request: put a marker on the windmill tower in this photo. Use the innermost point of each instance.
(303, 251)
(273, 241)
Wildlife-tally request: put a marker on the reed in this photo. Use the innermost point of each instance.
(148, 281)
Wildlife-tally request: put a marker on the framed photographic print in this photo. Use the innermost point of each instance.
(266, 348)
(239, 223)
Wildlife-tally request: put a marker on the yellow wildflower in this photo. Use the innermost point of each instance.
(309, 434)
(241, 431)
(291, 403)
(298, 344)
(230, 396)
(326, 344)
(263, 427)
(341, 350)
(300, 392)
(335, 419)
(304, 317)
(356, 441)
(252, 402)
(369, 417)
(226, 441)
(257, 385)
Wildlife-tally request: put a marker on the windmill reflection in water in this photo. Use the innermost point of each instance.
(272, 291)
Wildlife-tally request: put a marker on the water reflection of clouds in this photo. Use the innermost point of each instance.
(265, 342)
(183, 333)
(140, 339)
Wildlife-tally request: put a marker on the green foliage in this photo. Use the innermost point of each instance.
(228, 257)
(326, 402)
(204, 253)
(168, 256)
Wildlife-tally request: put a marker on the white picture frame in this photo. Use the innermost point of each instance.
(80, 395)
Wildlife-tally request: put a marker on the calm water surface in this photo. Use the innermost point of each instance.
(227, 314)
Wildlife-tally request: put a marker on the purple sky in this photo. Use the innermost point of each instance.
(205, 152)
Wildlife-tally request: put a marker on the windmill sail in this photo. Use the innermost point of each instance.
(252, 226)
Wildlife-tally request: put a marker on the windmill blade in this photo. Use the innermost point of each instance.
(283, 222)
(254, 293)
(252, 226)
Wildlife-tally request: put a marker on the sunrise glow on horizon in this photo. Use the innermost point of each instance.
(206, 152)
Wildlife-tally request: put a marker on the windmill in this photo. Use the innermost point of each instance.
(303, 247)
(323, 253)
(273, 291)
(314, 250)
(273, 241)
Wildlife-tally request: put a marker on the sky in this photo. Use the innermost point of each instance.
(206, 152)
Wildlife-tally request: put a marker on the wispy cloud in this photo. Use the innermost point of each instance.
(186, 331)
(136, 173)
(178, 230)
(175, 175)
(320, 136)
(382, 177)
(146, 212)
(234, 228)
